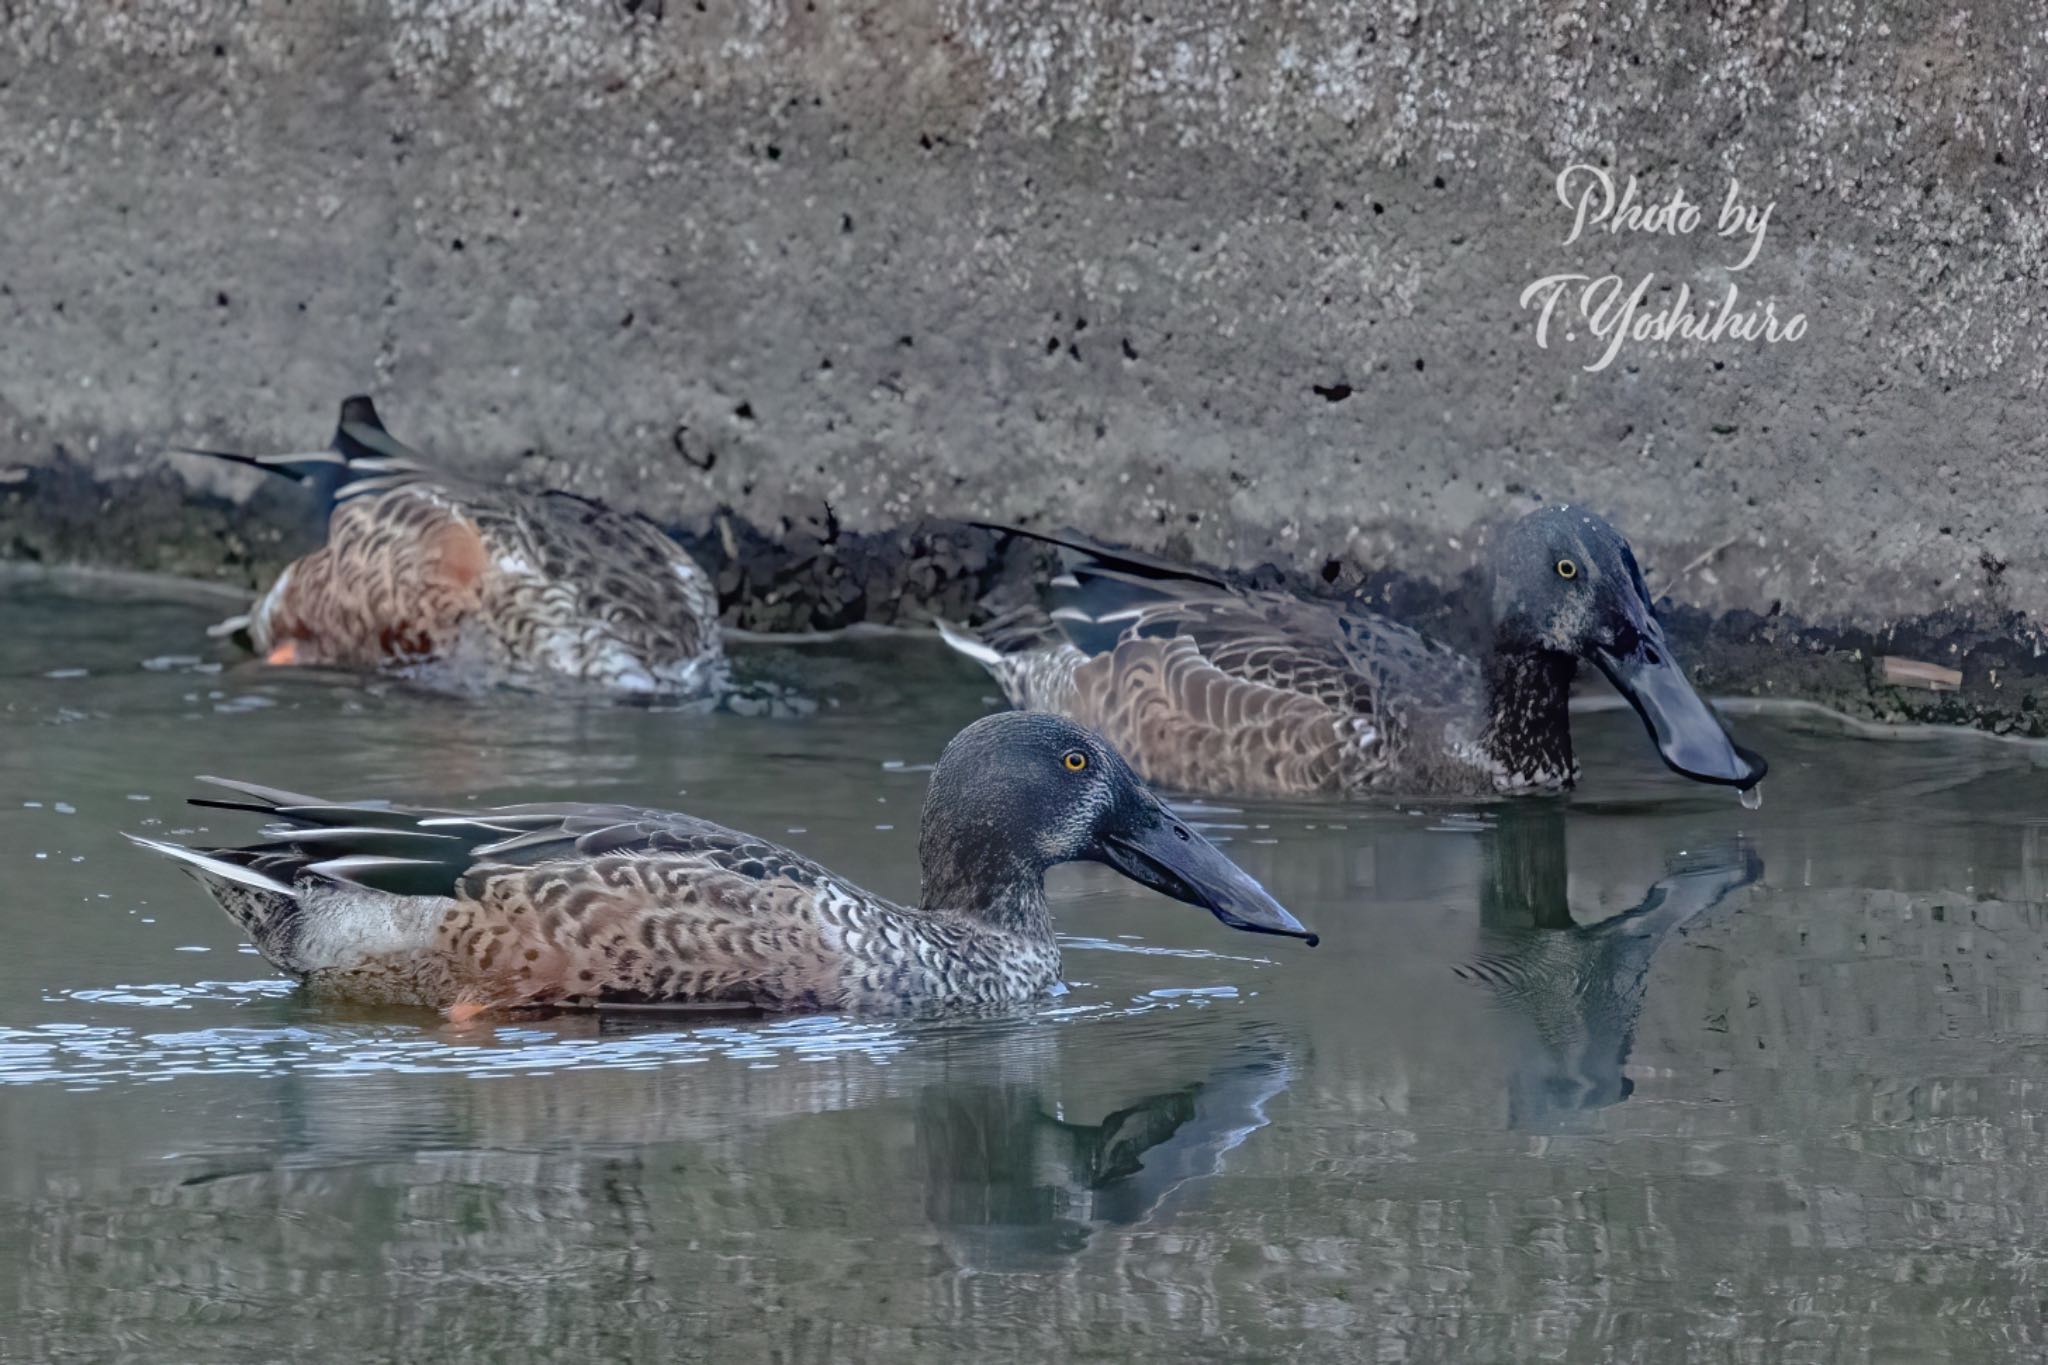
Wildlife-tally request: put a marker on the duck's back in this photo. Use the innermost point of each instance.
(1265, 693)
(1207, 686)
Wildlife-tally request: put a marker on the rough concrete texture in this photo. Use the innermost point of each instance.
(1238, 280)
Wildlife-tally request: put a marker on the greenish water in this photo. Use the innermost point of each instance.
(1638, 1077)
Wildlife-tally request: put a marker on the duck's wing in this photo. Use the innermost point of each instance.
(569, 904)
(1208, 685)
(604, 595)
(425, 850)
(1107, 597)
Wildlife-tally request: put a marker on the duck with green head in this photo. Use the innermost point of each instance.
(588, 905)
(1209, 686)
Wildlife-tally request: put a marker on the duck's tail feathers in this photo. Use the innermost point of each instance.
(257, 892)
(363, 457)
(966, 642)
(1086, 553)
(373, 845)
(1029, 661)
(218, 865)
(1103, 595)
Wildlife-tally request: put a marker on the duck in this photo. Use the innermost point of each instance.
(579, 906)
(1215, 688)
(468, 587)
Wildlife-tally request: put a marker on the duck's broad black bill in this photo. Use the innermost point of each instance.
(1689, 736)
(1153, 849)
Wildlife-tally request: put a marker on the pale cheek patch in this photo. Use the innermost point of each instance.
(1066, 838)
(1575, 620)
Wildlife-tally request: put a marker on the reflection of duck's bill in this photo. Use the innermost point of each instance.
(1154, 849)
(1689, 736)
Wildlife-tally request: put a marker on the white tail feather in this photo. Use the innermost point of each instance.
(216, 867)
(1104, 618)
(472, 822)
(292, 834)
(343, 869)
(969, 645)
(375, 483)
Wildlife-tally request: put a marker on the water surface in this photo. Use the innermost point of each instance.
(1640, 1076)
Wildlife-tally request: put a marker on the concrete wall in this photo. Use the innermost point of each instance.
(1237, 278)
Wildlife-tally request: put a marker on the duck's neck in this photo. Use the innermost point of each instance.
(1528, 735)
(1008, 894)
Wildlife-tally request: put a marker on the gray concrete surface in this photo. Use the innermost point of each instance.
(1234, 279)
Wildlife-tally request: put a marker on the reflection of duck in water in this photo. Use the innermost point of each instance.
(1009, 1177)
(1575, 991)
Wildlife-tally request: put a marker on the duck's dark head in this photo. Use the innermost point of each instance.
(1017, 792)
(1566, 586)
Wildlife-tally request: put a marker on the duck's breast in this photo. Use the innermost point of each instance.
(401, 574)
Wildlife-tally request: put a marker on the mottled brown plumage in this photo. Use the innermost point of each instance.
(1212, 687)
(583, 905)
(464, 585)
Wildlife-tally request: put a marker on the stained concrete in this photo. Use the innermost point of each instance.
(1233, 279)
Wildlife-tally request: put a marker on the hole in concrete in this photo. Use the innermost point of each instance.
(681, 442)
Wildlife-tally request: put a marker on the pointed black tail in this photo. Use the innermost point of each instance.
(361, 449)
(1080, 549)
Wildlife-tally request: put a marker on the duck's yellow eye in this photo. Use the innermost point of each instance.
(1567, 569)
(1075, 760)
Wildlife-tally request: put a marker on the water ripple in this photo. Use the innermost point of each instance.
(99, 1054)
(88, 1056)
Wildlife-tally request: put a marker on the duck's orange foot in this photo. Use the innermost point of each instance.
(286, 653)
(464, 1012)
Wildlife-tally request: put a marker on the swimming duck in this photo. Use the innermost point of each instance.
(587, 905)
(1211, 687)
(465, 585)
